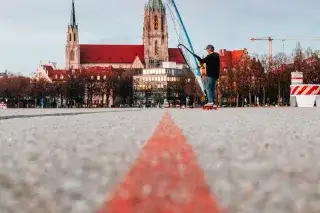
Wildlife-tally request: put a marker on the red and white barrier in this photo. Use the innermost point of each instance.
(306, 94)
(303, 95)
(305, 89)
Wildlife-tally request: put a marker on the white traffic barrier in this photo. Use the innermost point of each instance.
(305, 94)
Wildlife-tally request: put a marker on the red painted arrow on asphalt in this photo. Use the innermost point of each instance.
(164, 179)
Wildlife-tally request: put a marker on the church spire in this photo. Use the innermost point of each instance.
(155, 5)
(73, 22)
(155, 34)
(72, 54)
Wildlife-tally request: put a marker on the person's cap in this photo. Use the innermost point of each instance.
(209, 47)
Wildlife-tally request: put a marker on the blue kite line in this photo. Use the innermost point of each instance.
(186, 33)
(196, 72)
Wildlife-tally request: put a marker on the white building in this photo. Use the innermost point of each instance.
(155, 84)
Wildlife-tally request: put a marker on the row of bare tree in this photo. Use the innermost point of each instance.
(77, 90)
(253, 80)
(257, 81)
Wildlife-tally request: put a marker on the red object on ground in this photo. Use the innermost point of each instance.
(164, 179)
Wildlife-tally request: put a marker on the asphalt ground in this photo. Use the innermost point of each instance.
(252, 160)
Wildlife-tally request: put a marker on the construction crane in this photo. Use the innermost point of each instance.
(271, 38)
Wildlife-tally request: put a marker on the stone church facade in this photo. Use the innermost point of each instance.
(150, 54)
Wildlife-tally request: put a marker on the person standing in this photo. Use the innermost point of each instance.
(212, 64)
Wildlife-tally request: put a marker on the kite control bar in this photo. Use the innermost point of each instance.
(181, 45)
(196, 56)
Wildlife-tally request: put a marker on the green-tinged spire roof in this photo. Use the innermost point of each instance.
(73, 22)
(155, 4)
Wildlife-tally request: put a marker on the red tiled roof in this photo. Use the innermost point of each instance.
(229, 58)
(175, 56)
(237, 54)
(100, 54)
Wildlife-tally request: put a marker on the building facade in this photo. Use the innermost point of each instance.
(152, 53)
(157, 84)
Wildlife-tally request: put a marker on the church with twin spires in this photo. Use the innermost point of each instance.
(150, 54)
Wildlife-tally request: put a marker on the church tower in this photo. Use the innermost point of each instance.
(155, 34)
(72, 54)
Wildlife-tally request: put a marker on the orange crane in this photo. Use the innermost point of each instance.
(271, 38)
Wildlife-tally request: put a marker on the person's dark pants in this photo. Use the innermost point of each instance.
(210, 84)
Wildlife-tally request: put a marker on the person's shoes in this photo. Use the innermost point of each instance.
(209, 104)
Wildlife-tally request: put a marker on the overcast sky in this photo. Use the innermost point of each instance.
(35, 30)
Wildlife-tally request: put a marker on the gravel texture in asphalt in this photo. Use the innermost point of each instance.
(254, 159)
(258, 159)
(68, 163)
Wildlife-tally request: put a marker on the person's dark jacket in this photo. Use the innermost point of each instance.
(212, 64)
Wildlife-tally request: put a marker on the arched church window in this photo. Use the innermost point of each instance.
(70, 37)
(74, 37)
(156, 22)
(71, 55)
(156, 48)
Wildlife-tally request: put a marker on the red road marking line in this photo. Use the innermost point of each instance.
(164, 179)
